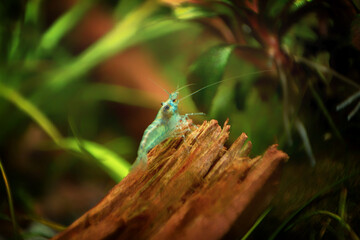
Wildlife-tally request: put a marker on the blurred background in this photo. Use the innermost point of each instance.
(81, 80)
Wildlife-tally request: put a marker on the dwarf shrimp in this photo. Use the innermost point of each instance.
(166, 124)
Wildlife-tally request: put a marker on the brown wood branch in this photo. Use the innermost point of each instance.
(195, 189)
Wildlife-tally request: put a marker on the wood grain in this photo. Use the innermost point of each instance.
(192, 189)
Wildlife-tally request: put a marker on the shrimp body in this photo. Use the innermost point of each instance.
(167, 121)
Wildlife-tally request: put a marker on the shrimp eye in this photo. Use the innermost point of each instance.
(174, 100)
(162, 104)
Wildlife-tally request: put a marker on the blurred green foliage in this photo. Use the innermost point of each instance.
(281, 68)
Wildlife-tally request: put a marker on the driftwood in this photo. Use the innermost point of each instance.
(195, 189)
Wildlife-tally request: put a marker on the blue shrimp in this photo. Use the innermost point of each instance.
(167, 121)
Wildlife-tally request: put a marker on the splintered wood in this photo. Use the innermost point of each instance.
(195, 189)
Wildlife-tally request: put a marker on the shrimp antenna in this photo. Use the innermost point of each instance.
(247, 74)
(178, 89)
(159, 86)
(242, 75)
(200, 90)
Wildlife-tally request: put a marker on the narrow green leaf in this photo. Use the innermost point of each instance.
(15, 41)
(334, 216)
(11, 204)
(192, 11)
(53, 225)
(320, 193)
(208, 69)
(32, 11)
(325, 112)
(113, 164)
(124, 7)
(119, 38)
(353, 235)
(348, 101)
(63, 25)
(117, 167)
(342, 203)
(305, 139)
(354, 111)
(325, 69)
(158, 28)
(275, 7)
(31, 110)
(300, 3)
(258, 221)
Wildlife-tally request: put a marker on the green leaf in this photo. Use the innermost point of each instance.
(342, 204)
(45, 222)
(125, 7)
(258, 221)
(331, 215)
(63, 25)
(190, 11)
(293, 215)
(157, 28)
(15, 42)
(275, 7)
(209, 69)
(32, 11)
(222, 102)
(31, 110)
(142, 24)
(113, 164)
(11, 204)
(300, 3)
(299, 125)
(255, 120)
(325, 112)
(118, 39)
